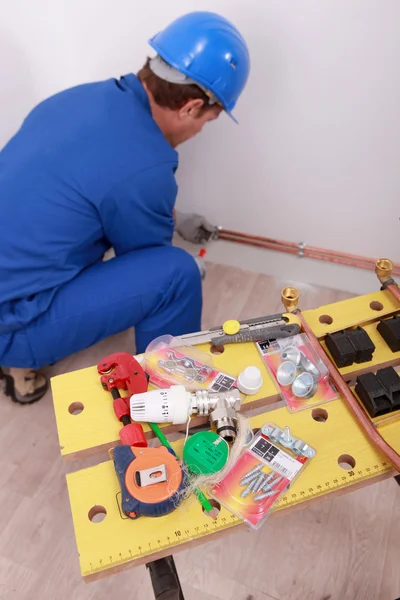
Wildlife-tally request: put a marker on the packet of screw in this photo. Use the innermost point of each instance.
(298, 372)
(262, 473)
(168, 364)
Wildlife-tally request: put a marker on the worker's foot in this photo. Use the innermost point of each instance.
(23, 385)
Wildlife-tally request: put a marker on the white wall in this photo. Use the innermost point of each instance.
(316, 156)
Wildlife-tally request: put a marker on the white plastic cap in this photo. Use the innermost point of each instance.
(161, 406)
(250, 381)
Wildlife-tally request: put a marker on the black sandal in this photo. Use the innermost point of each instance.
(9, 389)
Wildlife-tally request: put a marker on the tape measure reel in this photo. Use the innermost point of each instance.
(205, 453)
(152, 480)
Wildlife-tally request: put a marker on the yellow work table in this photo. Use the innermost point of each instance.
(345, 458)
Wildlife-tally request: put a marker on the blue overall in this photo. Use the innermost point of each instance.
(89, 170)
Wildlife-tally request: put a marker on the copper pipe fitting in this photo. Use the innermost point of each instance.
(290, 297)
(384, 269)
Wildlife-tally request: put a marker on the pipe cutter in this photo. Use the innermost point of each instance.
(151, 479)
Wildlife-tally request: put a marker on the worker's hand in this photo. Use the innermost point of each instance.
(194, 228)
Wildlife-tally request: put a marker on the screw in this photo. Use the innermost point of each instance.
(266, 486)
(250, 488)
(286, 439)
(277, 480)
(247, 480)
(270, 477)
(245, 492)
(265, 495)
(251, 474)
(259, 483)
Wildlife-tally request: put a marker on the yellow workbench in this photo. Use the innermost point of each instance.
(345, 458)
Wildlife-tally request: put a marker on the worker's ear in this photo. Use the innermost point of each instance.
(191, 109)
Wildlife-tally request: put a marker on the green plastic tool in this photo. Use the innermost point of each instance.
(205, 453)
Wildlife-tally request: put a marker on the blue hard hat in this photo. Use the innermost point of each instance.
(208, 49)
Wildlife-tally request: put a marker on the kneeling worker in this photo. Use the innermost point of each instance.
(92, 168)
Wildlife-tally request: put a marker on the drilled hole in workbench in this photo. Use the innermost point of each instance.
(347, 462)
(320, 415)
(97, 514)
(375, 305)
(217, 349)
(75, 408)
(326, 319)
(216, 509)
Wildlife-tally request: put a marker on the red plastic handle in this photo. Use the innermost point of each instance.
(133, 435)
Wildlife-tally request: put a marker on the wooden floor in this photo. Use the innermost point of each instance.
(341, 549)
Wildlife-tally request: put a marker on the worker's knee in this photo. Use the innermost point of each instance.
(185, 267)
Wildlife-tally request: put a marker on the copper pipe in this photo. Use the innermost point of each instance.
(294, 251)
(248, 236)
(342, 258)
(347, 395)
(394, 290)
(313, 249)
(258, 244)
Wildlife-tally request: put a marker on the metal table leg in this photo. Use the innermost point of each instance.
(165, 579)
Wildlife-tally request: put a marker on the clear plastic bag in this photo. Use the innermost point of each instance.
(298, 372)
(168, 363)
(261, 474)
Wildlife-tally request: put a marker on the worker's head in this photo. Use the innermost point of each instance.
(201, 68)
(180, 111)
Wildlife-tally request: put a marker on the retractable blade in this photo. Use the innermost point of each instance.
(255, 335)
(263, 323)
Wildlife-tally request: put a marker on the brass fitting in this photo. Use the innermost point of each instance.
(290, 298)
(223, 420)
(383, 269)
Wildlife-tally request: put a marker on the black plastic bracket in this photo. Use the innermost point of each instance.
(379, 393)
(390, 331)
(350, 346)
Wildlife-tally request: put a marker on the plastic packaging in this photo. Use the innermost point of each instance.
(262, 473)
(298, 372)
(169, 363)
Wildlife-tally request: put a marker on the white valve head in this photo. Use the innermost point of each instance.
(161, 406)
(250, 380)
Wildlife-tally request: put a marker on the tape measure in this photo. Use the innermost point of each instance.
(205, 452)
(151, 479)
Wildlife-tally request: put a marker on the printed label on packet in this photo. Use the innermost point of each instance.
(222, 383)
(263, 347)
(278, 460)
